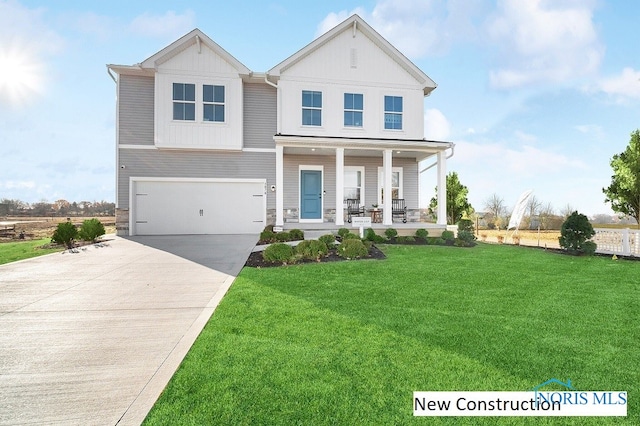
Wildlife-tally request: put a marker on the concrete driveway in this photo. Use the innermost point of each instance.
(93, 337)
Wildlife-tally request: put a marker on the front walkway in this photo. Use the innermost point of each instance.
(92, 338)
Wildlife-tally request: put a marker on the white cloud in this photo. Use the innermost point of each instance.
(170, 25)
(436, 125)
(540, 41)
(522, 161)
(525, 137)
(625, 86)
(416, 27)
(10, 184)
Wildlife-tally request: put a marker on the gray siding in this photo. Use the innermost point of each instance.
(195, 164)
(371, 164)
(135, 114)
(260, 115)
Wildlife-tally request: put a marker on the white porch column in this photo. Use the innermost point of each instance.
(442, 188)
(279, 186)
(339, 186)
(387, 218)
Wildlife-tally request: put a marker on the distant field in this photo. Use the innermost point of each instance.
(43, 227)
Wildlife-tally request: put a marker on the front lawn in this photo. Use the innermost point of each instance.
(11, 252)
(349, 342)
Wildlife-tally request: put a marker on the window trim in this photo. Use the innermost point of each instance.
(214, 103)
(353, 110)
(392, 112)
(400, 182)
(175, 102)
(362, 184)
(311, 108)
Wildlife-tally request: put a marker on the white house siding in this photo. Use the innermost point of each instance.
(260, 111)
(371, 164)
(194, 164)
(199, 68)
(135, 102)
(374, 74)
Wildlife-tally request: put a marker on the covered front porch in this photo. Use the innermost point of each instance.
(316, 175)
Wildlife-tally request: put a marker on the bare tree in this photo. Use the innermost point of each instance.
(496, 210)
(566, 211)
(546, 215)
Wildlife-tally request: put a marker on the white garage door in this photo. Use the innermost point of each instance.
(207, 206)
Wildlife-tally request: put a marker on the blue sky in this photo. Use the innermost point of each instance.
(536, 94)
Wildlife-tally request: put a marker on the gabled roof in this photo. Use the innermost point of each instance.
(351, 24)
(194, 37)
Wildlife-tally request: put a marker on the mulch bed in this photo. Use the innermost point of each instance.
(256, 261)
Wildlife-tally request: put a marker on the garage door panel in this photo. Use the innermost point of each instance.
(188, 207)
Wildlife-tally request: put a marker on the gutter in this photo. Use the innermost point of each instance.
(453, 149)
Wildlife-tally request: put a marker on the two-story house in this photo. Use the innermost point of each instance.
(205, 145)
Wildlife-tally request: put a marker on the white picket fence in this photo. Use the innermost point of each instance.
(625, 242)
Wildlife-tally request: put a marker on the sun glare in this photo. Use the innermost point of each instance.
(20, 77)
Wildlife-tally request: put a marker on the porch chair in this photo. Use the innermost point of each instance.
(398, 208)
(353, 208)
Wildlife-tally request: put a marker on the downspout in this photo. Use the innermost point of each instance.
(278, 106)
(453, 148)
(111, 75)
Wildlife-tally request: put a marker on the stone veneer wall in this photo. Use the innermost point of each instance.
(122, 222)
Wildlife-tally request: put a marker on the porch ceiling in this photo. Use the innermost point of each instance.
(360, 147)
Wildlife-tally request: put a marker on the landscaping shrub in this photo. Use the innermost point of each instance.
(575, 232)
(350, 236)
(390, 233)
(91, 229)
(465, 238)
(296, 234)
(422, 233)
(405, 239)
(283, 236)
(329, 240)
(352, 249)
(447, 235)
(589, 248)
(343, 231)
(65, 233)
(440, 241)
(312, 249)
(268, 228)
(465, 225)
(278, 252)
(370, 235)
(267, 236)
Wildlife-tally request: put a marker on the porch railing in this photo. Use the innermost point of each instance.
(625, 242)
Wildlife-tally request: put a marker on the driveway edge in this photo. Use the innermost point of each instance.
(140, 407)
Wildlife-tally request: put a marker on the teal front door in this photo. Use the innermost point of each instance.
(310, 194)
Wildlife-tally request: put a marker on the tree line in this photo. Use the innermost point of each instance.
(43, 208)
(623, 194)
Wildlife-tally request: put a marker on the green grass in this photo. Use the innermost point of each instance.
(11, 252)
(348, 343)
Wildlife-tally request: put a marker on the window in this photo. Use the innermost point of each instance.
(354, 184)
(184, 101)
(396, 183)
(213, 103)
(353, 106)
(393, 112)
(311, 108)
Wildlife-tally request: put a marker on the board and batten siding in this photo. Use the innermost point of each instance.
(260, 115)
(135, 110)
(371, 164)
(194, 164)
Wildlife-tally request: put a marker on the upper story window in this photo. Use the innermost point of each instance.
(353, 107)
(311, 108)
(393, 112)
(213, 103)
(184, 101)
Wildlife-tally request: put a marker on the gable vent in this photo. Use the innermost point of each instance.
(354, 58)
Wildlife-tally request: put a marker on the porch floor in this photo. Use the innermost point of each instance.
(408, 228)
